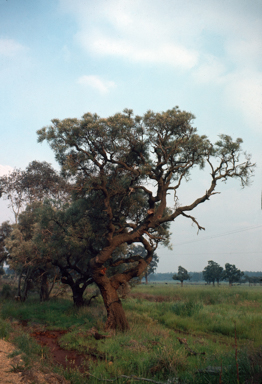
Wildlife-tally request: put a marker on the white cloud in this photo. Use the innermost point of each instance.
(10, 48)
(244, 92)
(215, 44)
(5, 169)
(172, 54)
(102, 86)
(211, 70)
(131, 30)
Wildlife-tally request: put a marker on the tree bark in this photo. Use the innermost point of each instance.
(116, 318)
(77, 290)
(23, 292)
(44, 289)
(78, 295)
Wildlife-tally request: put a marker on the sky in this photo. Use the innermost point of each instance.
(64, 58)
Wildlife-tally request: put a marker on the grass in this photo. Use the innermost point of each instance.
(178, 338)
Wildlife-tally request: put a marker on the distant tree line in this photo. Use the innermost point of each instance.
(212, 273)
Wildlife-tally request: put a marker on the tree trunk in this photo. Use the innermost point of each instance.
(182, 283)
(78, 295)
(116, 318)
(44, 289)
(76, 289)
(23, 292)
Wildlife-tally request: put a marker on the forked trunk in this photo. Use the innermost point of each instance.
(76, 289)
(116, 318)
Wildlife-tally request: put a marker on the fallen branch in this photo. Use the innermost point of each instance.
(131, 377)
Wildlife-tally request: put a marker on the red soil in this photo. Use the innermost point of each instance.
(68, 359)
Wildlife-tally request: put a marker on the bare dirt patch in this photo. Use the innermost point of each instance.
(7, 364)
(12, 370)
(67, 358)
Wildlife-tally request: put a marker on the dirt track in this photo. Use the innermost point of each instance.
(34, 375)
(6, 364)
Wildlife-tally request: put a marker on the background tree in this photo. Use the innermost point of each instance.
(213, 272)
(27, 190)
(25, 258)
(5, 230)
(11, 188)
(252, 279)
(39, 181)
(182, 275)
(67, 240)
(232, 274)
(125, 165)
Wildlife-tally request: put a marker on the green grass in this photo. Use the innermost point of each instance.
(5, 329)
(205, 319)
(54, 313)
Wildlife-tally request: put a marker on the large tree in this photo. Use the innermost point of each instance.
(213, 272)
(127, 165)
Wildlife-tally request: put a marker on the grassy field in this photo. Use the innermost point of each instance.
(195, 334)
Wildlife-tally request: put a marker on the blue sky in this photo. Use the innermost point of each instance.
(63, 58)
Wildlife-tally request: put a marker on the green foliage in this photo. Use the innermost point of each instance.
(58, 313)
(232, 274)
(182, 275)
(213, 272)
